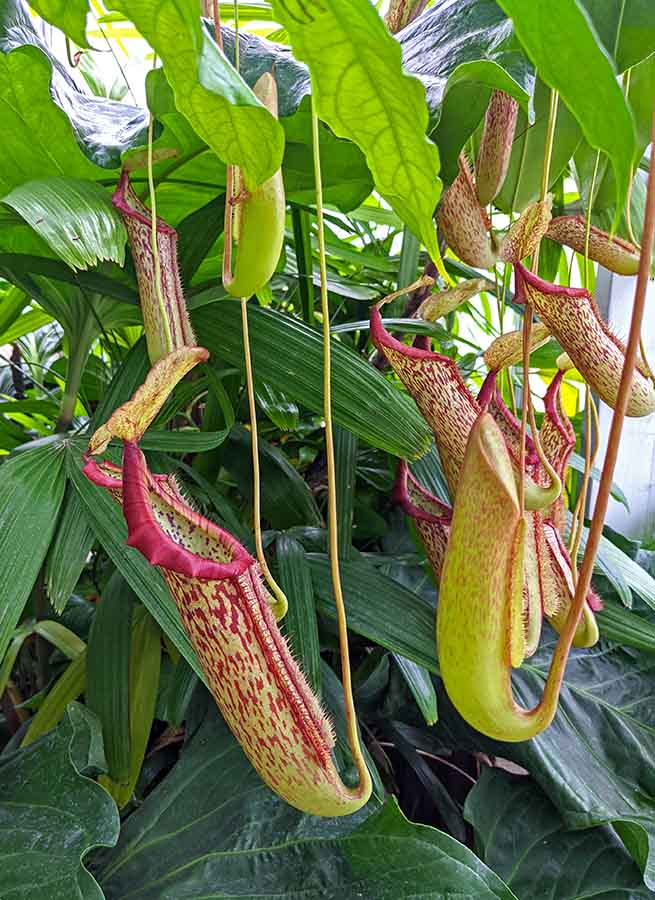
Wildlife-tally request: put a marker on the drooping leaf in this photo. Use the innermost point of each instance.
(31, 492)
(108, 672)
(363, 95)
(300, 624)
(68, 552)
(39, 140)
(75, 217)
(217, 102)
(68, 687)
(288, 355)
(185, 836)
(68, 15)
(58, 814)
(522, 837)
(561, 43)
(103, 128)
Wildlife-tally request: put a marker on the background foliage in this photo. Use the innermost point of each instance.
(127, 781)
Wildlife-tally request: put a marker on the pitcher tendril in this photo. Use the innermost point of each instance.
(257, 214)
(365, 784)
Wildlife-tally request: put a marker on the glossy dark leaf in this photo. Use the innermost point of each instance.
(185, 836)
(63, 814)
(523, 838)
(593, 763)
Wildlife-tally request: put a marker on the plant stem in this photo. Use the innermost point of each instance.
(281, 604)
(76, 362)
(333, 528)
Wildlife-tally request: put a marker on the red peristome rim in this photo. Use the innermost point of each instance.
(400, 496)
(125, 200)
(550, 406)
(546, 287)
(147, 536)
(380, 335)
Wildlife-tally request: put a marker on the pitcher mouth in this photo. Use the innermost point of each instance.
(162, 525)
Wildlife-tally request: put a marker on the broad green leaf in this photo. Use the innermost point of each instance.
(185, 836)
(69, 550)
(58, 815)
(38, 137)
(521, 836)
(31, 492)
(288, 355)
(103, 128)
(627, 29)
(222, 109)
(75, 217)
(299, 624)
(363, 95)
(594, 761)
(561, 43)
(68, 15)
(108, 674)
(378, 608)
(67, 688)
